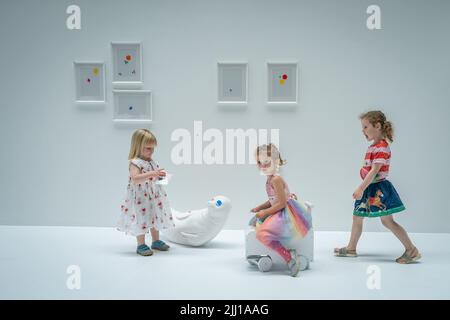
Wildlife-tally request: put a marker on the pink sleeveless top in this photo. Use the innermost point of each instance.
(271, 192)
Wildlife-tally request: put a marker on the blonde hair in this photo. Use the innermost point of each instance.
(377, 116)
(272, 152)
(140, 138)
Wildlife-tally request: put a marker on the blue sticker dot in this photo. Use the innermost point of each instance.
(218, 203)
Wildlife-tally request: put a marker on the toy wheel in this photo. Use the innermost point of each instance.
(304, 263)
(252, 262)
(264, 264)
(253, 259)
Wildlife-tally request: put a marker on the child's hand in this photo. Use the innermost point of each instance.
(261, 214)
(255, 209)
(160, 173)
(357, 195)
(156, 173)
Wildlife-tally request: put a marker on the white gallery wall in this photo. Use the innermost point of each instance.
(62, 164)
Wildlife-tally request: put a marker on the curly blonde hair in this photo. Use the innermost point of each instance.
(377, 116)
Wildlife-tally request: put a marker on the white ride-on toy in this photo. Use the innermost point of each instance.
(259, 255)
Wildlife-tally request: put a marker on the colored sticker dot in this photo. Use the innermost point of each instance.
(128, 57)
(281, 82)
(285, 76)
(88, 80)
(130, 108)
(95, 71)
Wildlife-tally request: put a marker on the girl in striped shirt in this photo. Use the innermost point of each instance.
(376, 196)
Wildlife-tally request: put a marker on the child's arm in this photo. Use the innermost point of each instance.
(138, 177)
(278, 186)
(262, 206)
(357, 195)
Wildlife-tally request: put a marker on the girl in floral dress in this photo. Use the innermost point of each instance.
(145, 207)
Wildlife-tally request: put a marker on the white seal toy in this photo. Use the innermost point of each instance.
(197, 227)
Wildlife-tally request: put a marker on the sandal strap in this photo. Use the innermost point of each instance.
(159, 244)
(406, 257)
(345, 252)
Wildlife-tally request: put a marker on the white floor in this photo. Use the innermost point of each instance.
(34, 262)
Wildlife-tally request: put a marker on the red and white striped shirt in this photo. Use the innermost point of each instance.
(377, 153)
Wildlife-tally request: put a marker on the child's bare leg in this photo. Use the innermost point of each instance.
(399, 232)
(268, 239)
(357, 228)
(155, 234)
(140, 239)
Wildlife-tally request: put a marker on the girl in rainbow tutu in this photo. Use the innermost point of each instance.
(282, 217)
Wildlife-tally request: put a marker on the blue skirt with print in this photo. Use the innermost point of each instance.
(379, 199)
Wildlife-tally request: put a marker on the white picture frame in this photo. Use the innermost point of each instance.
(232, 83)
(127, 64)
(90, 87)
(132, 106)
(282, 83)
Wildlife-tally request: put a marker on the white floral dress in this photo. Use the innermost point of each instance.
(145, 205)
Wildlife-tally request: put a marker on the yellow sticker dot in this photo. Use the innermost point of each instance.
(282, 82)
(95, 71)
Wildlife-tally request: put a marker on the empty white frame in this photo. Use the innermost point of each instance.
(90, 82)
(132, 106)
(282, 83)
(127, 64)
(232, 83)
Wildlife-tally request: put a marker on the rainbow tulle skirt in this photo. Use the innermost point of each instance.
(294, 221)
